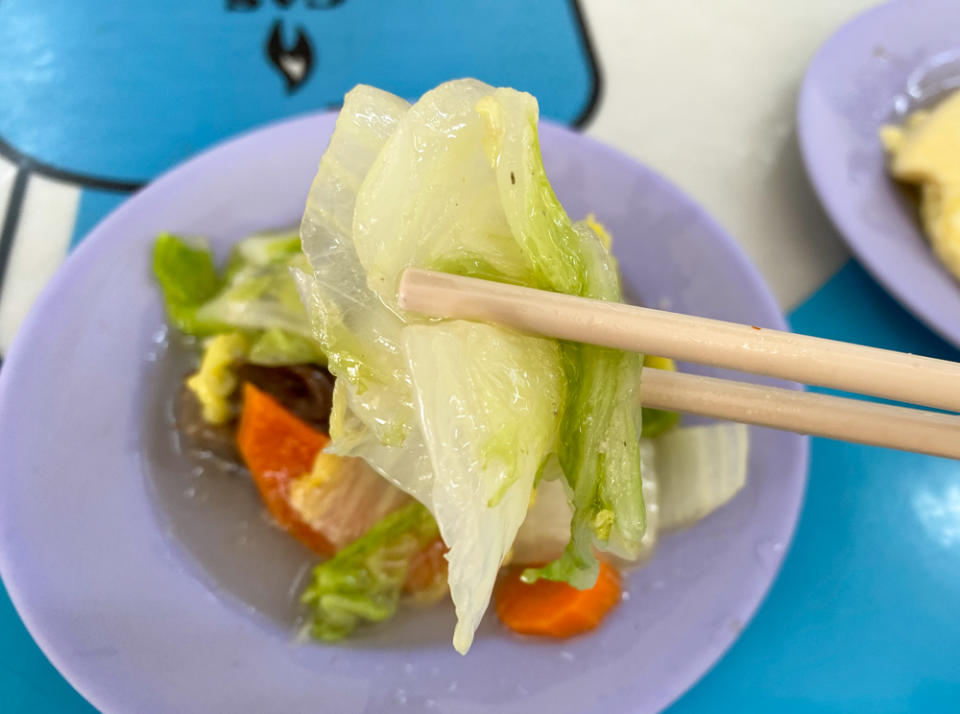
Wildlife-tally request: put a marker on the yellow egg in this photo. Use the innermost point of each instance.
(926, 151)
(214, 382)
(655, 362)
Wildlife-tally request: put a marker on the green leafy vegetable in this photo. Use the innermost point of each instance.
(360, 338)
(403, 186)
(598, 446)
(489, 418)
(188, 277)
(700, 468)
(657, 422)
(276, 346)
(264, 249)
(363, 581)
(257, 295)
(463, 417)
(260, 297)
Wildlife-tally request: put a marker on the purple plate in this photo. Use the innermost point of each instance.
(134, 617)
(876, 69)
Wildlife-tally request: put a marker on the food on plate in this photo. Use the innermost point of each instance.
(555, 609)
(424, 457)
(925, 151)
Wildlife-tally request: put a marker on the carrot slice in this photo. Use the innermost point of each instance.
(279, 448)
(553, 609)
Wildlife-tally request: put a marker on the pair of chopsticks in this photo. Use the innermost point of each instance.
(827, 363)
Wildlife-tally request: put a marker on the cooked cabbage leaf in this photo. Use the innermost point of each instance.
(276, 347)
(259, 291)
(378, 414)
(489, 401)
(431, 200)
(688, 473)
(463, 416)
(657, 422)
(256, 294)
(363, 581)
(700, 469)
(188, 278)
(598, 448)
(361, 338)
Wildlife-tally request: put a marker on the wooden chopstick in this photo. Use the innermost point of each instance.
(870, 423)
(811, 360)
(840, 365)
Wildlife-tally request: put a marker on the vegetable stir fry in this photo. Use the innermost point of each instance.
(447, 456)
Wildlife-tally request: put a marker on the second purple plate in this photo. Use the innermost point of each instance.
(876, 69)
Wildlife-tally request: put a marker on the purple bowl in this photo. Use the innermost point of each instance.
(876, 69)
(137, 622)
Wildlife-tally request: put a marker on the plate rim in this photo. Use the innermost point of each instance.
(837, 210)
